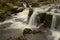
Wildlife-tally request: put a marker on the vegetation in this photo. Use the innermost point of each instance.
(6, 6)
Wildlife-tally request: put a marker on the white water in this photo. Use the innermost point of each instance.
(19, 24)
(56, 23)
(36, 12)
(33, 18)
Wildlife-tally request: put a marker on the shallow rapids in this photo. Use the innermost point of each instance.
(13, 28)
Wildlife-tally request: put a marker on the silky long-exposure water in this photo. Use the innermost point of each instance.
(13, 28)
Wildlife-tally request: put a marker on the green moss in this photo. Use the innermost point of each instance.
(3, 14)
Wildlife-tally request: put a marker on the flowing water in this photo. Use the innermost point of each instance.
(14, 27)
(56, 26)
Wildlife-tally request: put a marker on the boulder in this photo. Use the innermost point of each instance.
(48, 21)
(40, 18)
(27, 31)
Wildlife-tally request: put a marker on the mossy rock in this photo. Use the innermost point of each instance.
(35, 4)
(3, 15)
(27, 31)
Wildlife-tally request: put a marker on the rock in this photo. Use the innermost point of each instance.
(35, 4)
(17, 10)
(27, 31)
(40, 18)
(48, 21)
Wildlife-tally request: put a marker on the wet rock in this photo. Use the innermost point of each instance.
(48, 21)
(35, 4)
(17, 10)
(27, 31)
(40, 18)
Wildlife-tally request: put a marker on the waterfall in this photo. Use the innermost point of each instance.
(56, 22)
(55, 28)
(20, 17)
(32, 19)
(37, 11)
(16, 25)
(53, 22)
(19, 22)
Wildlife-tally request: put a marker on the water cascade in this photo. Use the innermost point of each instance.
(55, 28)
(19, 22)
